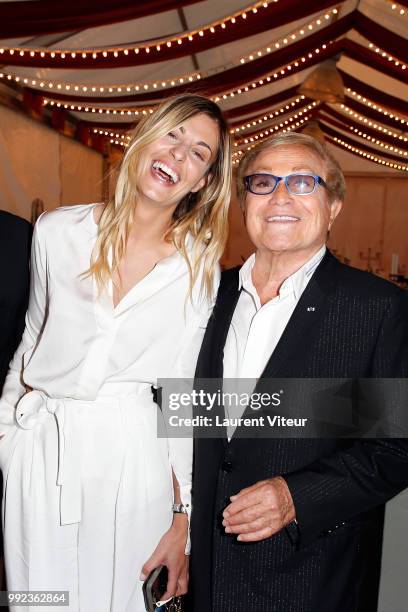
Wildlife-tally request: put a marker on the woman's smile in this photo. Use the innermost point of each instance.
(165, 173)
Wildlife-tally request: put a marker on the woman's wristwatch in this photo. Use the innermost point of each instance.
(179, 509)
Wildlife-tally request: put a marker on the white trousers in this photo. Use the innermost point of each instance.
(87, 496)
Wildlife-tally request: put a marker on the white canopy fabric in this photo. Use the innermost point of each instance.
(253, 99)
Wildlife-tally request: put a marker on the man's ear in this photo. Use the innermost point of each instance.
(335, 208)
(243, 208)
(202, 182)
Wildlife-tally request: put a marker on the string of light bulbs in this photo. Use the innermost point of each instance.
(97, 88)
(111, 134)
(266, 117)
(287, 121)
(391, 58)
(101, 110)
(367, 155)
(282, 72)
(279, 127)
(397, 8)
(117, 138)
(242, 127)
(122, 140)
(371, 124)
(379, 143)
(238, 153)
(275, 76)
(284, 108)
(397, 135)
(375, 107)
(378, 127)
(118, 142)
(359, 131)
(252, 123)
(57, 85)
(212, 28)
(288, 38)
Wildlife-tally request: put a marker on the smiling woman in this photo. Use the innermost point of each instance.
(120, 297)
(185, 139)
(182, 157)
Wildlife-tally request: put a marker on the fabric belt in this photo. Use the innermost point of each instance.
(35, 407)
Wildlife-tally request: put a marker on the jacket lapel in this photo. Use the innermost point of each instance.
(212, 354)
(210, 362)
(307, 314)
(224, 322)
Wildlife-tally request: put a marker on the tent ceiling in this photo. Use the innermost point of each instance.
(350, 27)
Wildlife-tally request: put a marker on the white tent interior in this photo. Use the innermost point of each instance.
(122, 72)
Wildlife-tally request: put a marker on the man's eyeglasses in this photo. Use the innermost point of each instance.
(296, 184)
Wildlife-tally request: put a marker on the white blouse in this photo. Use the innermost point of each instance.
(76, 343)
(255, 328)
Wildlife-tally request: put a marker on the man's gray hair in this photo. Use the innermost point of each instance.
(336, 185)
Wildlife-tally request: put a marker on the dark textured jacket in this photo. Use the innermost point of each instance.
(347, 324)
(15, 239)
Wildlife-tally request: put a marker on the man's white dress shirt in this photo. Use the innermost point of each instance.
(255, 328)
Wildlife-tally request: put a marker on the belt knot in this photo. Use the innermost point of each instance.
(32, 408)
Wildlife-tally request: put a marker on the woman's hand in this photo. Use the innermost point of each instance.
(170, 552)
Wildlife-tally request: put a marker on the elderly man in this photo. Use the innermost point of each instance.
(294, 525)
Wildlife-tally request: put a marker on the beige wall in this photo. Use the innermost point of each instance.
(374, 216)
(38, 162)
(81, 173)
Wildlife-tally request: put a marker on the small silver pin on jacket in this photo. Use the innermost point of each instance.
(311, 309)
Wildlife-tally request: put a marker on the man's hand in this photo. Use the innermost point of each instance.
(259, 511)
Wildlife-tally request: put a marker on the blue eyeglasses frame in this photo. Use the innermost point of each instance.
(317, 181)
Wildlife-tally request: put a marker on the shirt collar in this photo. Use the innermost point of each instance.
(301, 277)
(245, 273)
(296, 282)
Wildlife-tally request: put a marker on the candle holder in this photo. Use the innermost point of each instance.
(399, 279)
(370, 258)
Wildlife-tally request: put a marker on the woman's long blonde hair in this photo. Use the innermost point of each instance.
(204, 214)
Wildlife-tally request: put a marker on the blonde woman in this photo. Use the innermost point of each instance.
(120, 296)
